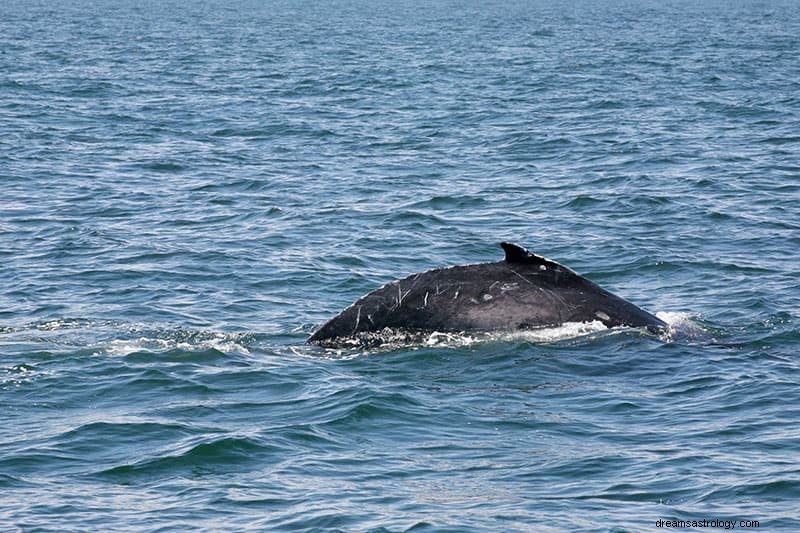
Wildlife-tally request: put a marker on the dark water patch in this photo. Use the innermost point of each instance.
(244, 133)
(439, 203)
(163, 166)
(234, 185)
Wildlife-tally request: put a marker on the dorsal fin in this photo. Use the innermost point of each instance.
(517, 254)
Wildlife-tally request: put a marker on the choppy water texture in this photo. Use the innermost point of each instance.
(189, 189)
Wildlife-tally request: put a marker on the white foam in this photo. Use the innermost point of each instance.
(674, 318)
(393, 339)
(683, 326)
(217, 341)
(142, 344)
(438, 338)
(568, 330)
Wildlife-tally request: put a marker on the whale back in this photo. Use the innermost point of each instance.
(523, 291)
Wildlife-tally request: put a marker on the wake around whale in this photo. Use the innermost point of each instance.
(522, 292)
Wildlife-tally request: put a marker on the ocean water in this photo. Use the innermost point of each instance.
(189, 189)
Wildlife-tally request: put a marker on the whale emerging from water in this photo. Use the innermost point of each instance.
(524, 291)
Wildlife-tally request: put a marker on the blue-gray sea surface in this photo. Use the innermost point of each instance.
(188, 189)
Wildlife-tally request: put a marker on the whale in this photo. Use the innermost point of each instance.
(523, 291)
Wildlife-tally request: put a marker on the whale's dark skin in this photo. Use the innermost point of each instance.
(524, 291)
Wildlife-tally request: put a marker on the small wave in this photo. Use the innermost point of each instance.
(124, 428)
(219, 454)
(779, 489)
(376, 410)
(417, 218)
(8, 482)
(584, 200)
